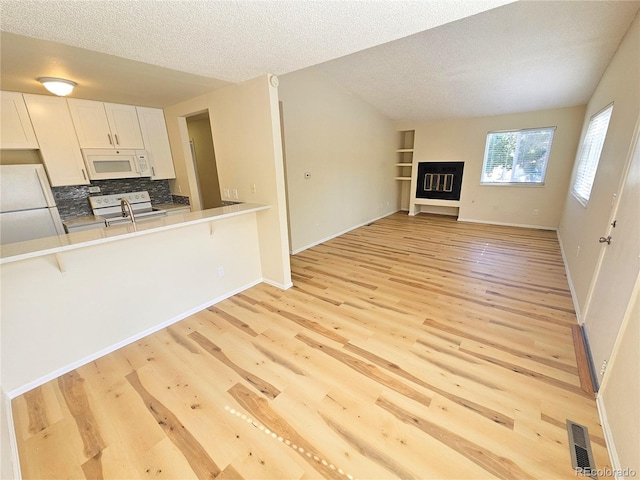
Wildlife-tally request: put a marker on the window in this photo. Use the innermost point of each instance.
(517, 156)
(589, 155)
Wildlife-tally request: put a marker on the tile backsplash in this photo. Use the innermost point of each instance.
(73, 201)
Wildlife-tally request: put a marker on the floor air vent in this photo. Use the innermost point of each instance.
(580, 449)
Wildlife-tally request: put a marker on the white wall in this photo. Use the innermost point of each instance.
(582, 226)
(349, 149)
(621, 390)
(465, 139)
(115, 291)
(245, 125)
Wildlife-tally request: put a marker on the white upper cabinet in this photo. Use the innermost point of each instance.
(123, 121)
(105, 125)
(57, 138)
(16, 131)
(156, 142)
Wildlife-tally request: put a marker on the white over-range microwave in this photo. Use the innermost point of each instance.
(105, 164)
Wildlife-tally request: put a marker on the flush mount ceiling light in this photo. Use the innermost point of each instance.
(57, 86)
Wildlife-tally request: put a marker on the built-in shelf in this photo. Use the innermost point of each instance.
(404, 165)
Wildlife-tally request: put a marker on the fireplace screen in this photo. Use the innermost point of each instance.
(441, 180)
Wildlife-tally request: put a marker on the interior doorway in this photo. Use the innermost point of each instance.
(204, 160)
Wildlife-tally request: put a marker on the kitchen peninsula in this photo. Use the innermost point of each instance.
(69, 299)
(56, 245)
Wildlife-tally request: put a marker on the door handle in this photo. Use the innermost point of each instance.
(606, 240)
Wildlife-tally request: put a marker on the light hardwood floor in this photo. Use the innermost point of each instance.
(415, 347)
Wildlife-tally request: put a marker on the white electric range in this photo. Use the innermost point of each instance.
(114, 209)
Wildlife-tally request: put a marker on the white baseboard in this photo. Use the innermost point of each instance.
(506, 224)
(326, 239)
(13, 441)
(608, 438)
(574, 298)
(90, 358)
(281, 286)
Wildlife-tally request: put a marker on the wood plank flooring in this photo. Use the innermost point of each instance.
(413, 348)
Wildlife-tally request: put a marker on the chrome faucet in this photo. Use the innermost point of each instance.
(125, 204)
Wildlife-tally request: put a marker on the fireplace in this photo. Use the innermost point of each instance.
(439, 180)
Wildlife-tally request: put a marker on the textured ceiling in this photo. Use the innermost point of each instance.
(410, 59)
(525, 56)
(230, 40)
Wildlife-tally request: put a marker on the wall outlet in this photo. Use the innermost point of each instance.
(235, 193)
(94, 189)
(603, 368)
(221, 271)
(226, 193)
(535, 212)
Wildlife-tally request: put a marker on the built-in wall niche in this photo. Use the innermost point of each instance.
(404, 165)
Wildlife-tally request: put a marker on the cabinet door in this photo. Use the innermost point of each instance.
(123, 122)
(90, 122)
(16, 131)
(156, 142)
(57, 138)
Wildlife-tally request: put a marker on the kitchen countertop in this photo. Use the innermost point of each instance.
(171, 206)
(83, 220)
(14, 252)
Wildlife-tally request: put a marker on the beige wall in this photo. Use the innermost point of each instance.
(245, 125)
(349, 149)
(582, 226)
(465, 139)
(115, 291)
(200, 135)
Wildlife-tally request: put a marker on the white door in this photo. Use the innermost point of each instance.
(618, 271)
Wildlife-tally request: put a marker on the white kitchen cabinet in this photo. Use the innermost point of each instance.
(57, 139)
(156, 142)
(105, 125)
(16, 131)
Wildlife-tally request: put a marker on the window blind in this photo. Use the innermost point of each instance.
(590, 152)
(517, 156)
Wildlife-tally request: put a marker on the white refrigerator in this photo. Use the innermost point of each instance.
(27, 208)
